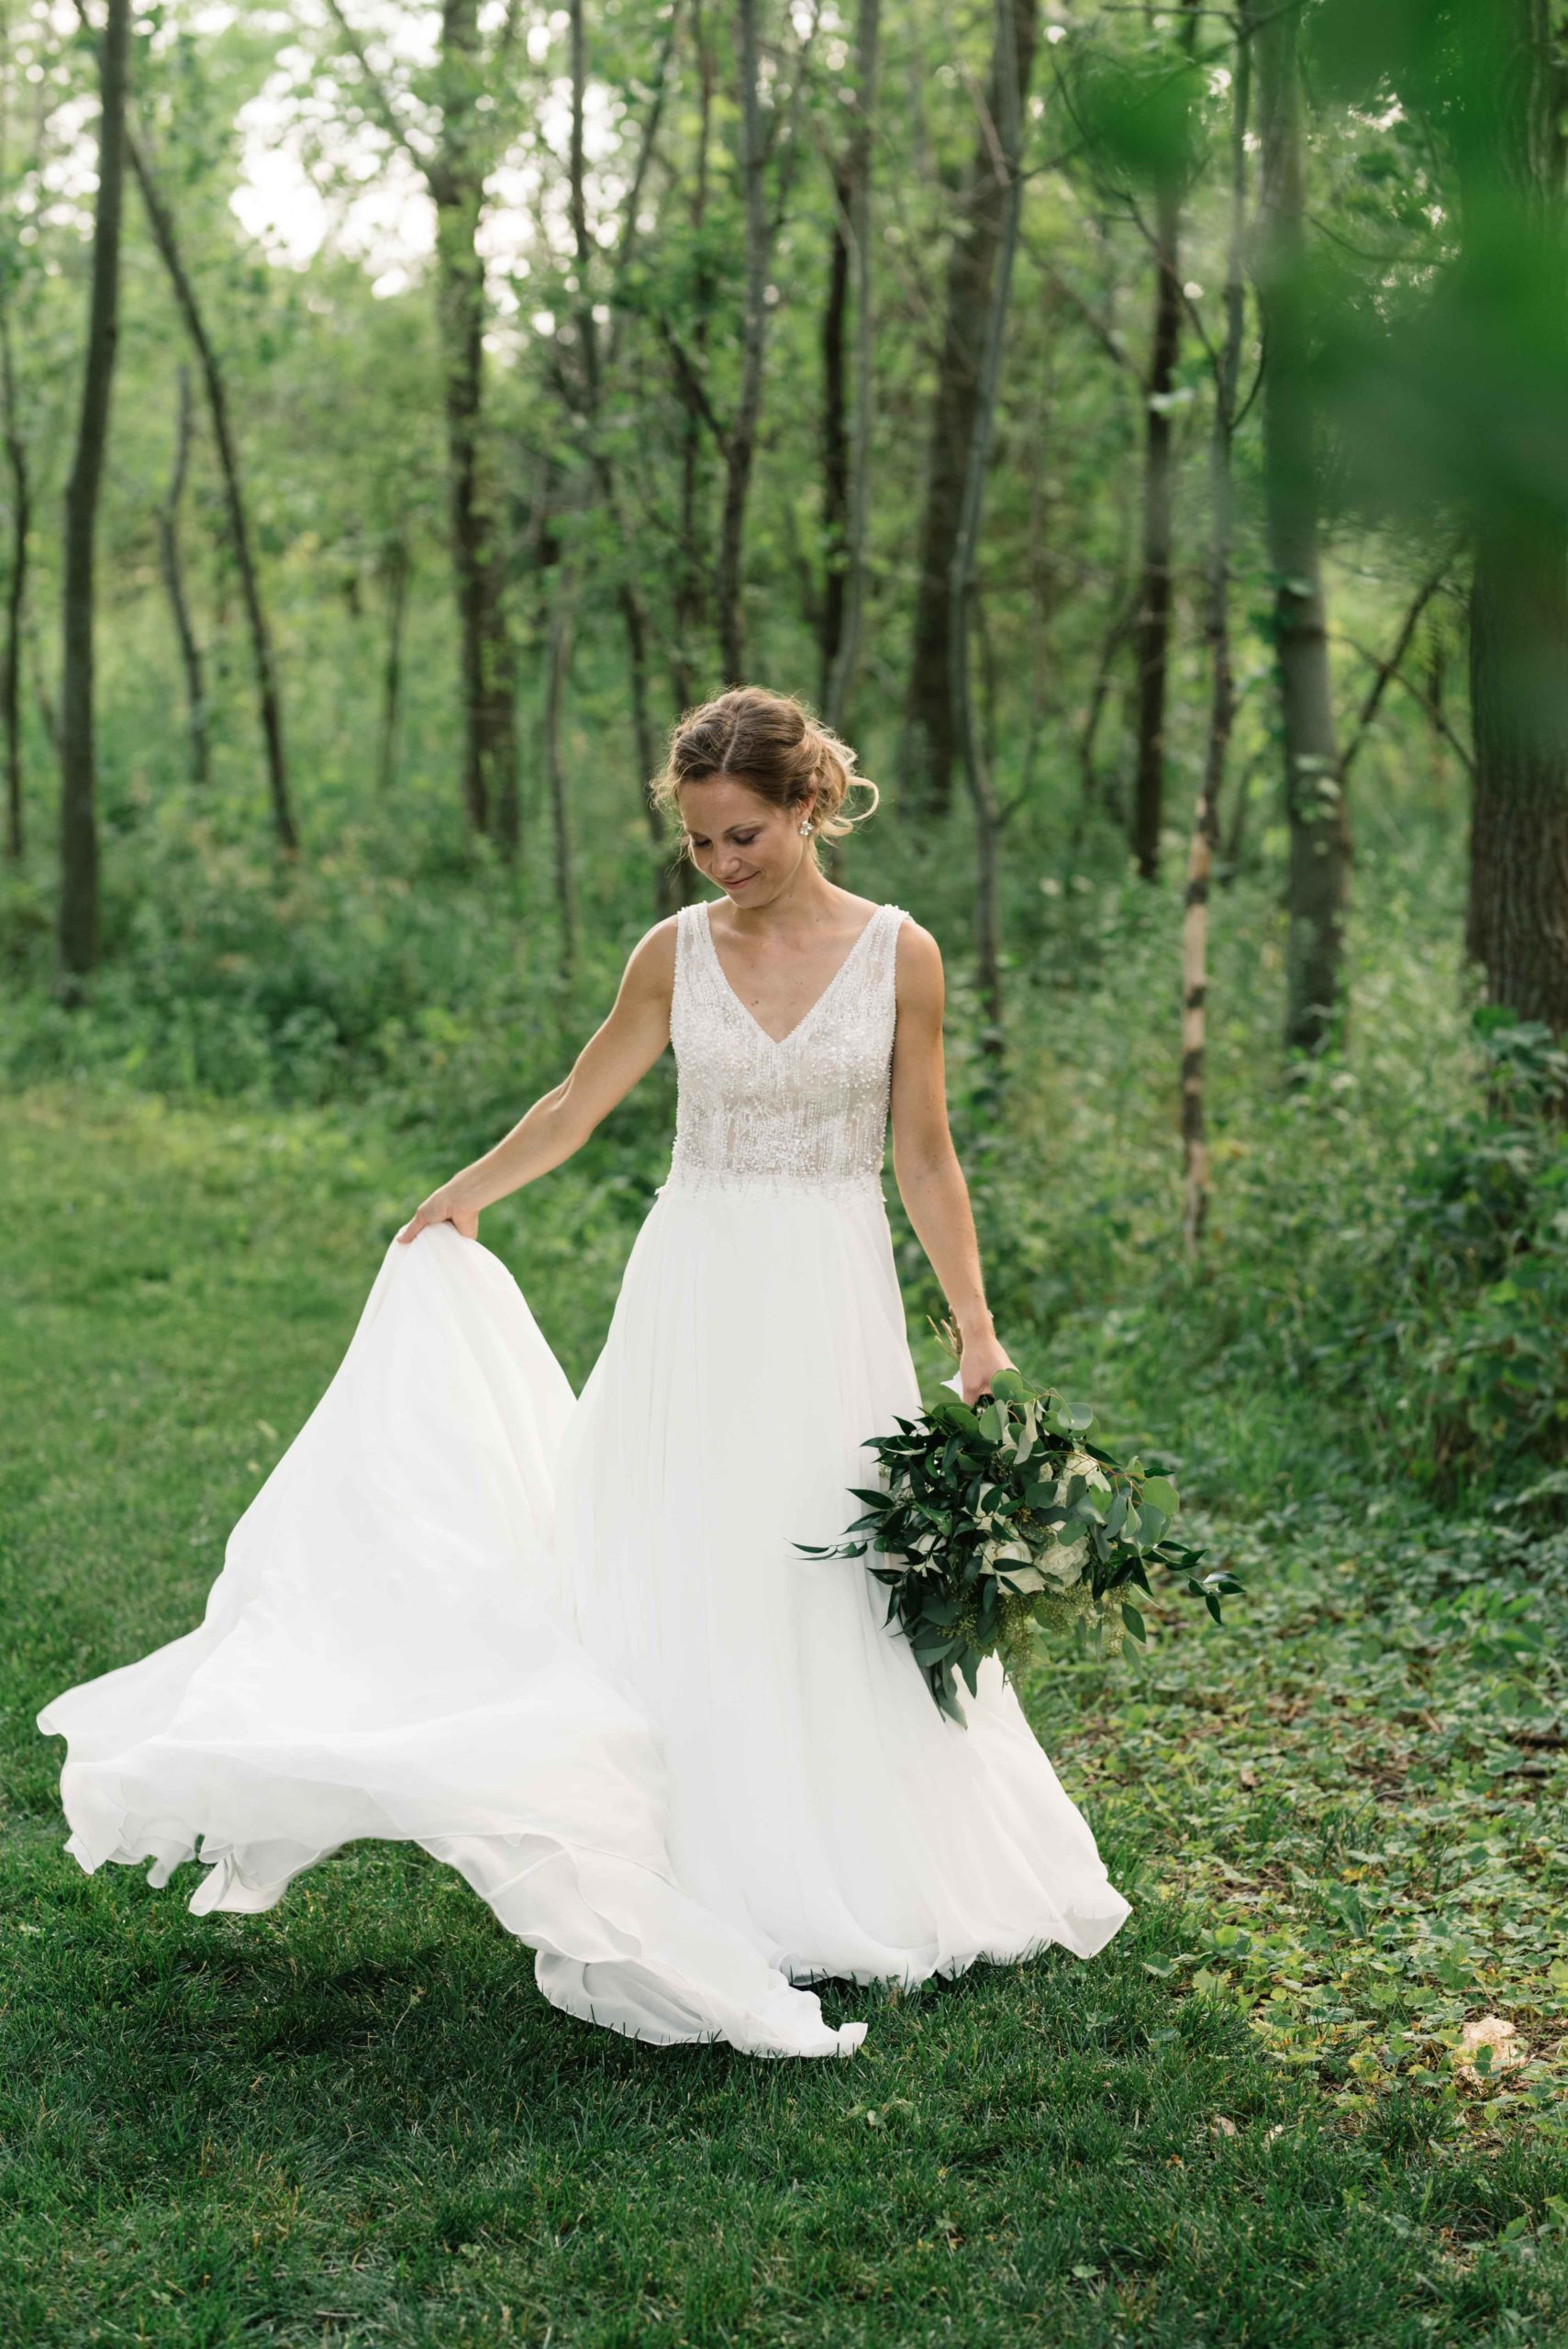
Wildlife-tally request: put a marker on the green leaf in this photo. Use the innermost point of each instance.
(1134, 1621)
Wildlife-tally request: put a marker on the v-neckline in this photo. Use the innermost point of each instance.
(778, 1042)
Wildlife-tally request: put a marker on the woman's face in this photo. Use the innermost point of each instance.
(750, 849)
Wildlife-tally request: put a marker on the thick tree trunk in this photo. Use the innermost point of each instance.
(1519, 840)
(740, 447)
(161, 220)
(172, 565)
(1159, 480)
(456, 179)
(16, 598)
(78, 816)
(932, 731)
(1011, 83)
(1314, 801)
(1518, 920)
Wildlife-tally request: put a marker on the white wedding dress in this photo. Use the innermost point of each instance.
(571, 1648)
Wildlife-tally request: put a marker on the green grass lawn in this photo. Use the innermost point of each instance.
(355, 2121)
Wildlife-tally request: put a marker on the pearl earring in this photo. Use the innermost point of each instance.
(807, 826)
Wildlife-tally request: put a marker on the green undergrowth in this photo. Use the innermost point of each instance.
(355, 2121)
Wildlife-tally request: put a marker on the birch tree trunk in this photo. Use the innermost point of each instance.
(78, 930)
(172, 565)
(1222, 680)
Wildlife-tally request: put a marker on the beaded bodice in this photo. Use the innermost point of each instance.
(809, 1110)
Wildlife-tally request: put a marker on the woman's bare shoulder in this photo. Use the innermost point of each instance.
(917, 963)
(650, 965)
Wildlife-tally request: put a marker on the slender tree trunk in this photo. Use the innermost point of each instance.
(835, 436)
(557, 666)
(741, 444)
(1120, 624)
(161, 220)
(396, 567)
(1315, 799)
(1159, 480)
(78, 814)
(456, 179)
(1222, 680)
(840, 676)
(634, 619)
(1011, 84)
(16, 594)
(1517, 918)
(932, 729)
(172, 567)
(691, 616)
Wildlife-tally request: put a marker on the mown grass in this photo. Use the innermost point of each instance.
(355, 2121)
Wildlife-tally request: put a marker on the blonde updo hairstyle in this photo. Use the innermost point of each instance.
(772, 743)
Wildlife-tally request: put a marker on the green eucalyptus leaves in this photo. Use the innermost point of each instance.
(997, 1521)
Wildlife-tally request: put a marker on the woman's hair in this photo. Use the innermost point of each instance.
(772, 743)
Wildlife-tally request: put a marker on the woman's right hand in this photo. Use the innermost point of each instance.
(449, 1205)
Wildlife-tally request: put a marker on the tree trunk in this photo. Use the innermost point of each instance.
(557, 664)
(835, 436)
(1314, 801)
(629, 601)
(741, 446)
(858, 170)
(456, 179)
(1011, 83)
(1154, 592)
(15, 596)
(160, 221)
(78, 816)
(172, 568)
(396, 568)
(932, 729)
(691, 618)
(1518, 837)
(1518, 918)
(1222, 682)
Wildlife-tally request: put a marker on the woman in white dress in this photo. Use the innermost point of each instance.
(570, 1646)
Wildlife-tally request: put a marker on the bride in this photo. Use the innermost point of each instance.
(569, 1645)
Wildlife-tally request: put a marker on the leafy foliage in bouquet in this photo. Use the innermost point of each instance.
(997, 1522)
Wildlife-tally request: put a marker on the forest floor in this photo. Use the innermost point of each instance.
(1254, 2120)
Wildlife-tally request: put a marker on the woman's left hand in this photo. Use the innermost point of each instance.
(980, 1360)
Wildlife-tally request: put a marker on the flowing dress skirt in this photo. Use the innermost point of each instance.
(569, 1649)
(819, 1799)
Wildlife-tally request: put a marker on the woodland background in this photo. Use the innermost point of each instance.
(1144, 432)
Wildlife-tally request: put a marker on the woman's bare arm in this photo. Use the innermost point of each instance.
(616, 1057)
(930, 1180)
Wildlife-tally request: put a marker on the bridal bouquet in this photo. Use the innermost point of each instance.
(997, 1522)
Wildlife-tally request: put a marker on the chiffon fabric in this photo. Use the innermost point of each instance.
(570, 1647)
